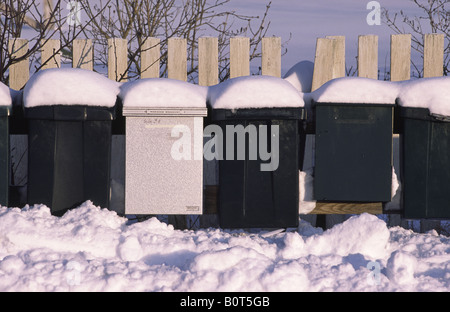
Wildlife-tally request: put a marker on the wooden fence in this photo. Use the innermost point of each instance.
(329, 63)
(329, 58)
(208, 61)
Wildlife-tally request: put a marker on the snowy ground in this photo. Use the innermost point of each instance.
(93, 249)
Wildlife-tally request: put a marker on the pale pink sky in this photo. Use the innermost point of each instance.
(308, 20)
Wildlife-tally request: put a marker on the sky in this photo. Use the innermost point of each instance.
(306, 21)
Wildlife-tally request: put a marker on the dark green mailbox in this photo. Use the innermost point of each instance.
(248, 195)
(6, 101)
(425, 164)
(70, 115)
(353, 152)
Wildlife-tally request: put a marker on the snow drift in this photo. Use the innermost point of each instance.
(93, 249)
(6, 95)
(300, 76)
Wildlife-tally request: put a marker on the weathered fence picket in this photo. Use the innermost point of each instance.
(150, 55)
(271, 56)
(400, 57)
(368, 56)
(329, 61)
(338, 56)
(177, 59)
(208, 61)
(117, 59)
(19, 72)
(433, 55)
(50, 53)
(239, 57)
(83, 54)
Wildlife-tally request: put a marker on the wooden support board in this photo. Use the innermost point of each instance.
(347, 208)
(211, 207)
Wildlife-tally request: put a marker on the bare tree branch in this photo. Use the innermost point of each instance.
(435, 18)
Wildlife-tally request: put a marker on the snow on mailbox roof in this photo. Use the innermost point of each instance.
(254, 92)
(431, 93)
(357, 90)
(70, 86)
(162, 92)
(5, 95)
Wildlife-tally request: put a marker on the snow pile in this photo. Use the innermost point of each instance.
(70, 86)
(432, 93)
(254, 92)
(306, 191)
(300, 76)
(93, 249)
(162, 92)
(357, 90)
(5, 95)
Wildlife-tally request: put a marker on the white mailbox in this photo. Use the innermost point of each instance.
(163, 146)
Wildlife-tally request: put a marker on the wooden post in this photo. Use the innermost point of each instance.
(50, 55)
(433, 55)
(208, 61)
(338, 56)
(177, 59)
(150, 56)
(323, 62)
(368, 56)
(400, 57)
(19, 73)
(117, 59)
(239, 57)
(48, 7)
(83, 54)
(271, 56)
(347, 208)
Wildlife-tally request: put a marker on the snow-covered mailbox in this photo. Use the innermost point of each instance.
(164, 146)
(5, 108)
(69, 113)
(259, 142)
(353, 140)
(425, 147)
